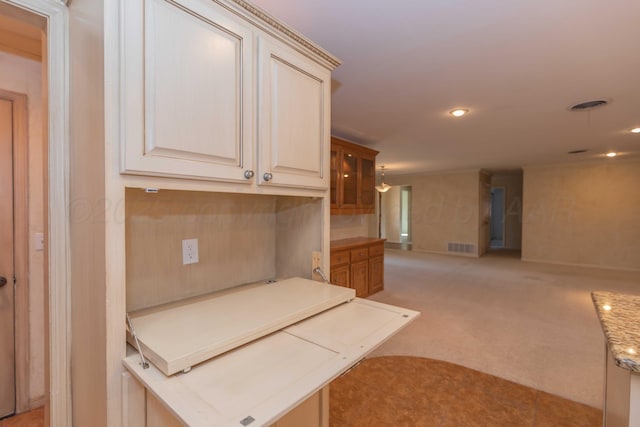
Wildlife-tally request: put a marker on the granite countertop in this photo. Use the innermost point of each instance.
(619, 316)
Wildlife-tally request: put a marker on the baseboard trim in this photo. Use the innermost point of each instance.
(37, 402)
(456, 254)
(570, 264)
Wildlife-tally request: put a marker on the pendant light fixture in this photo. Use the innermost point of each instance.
(382, 188)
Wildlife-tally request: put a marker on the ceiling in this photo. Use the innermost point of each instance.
(516, 65)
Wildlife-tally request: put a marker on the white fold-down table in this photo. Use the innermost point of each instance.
(259, 382)
(179, 337)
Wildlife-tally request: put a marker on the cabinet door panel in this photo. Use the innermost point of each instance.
(188, 77)
(368, 182)
(360, 278)
(340, 276)
(294, 118)
(376, 274)
(349, 179)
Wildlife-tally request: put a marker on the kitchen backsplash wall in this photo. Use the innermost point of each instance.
(236, 243)
(346, 226)
(299, 233)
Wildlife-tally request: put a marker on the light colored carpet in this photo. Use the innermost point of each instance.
(530, 323)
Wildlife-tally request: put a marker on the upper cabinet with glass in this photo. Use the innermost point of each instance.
(220, 91)
(353, 178)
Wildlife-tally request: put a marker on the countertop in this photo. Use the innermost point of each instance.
(619, 316)
(354, 242)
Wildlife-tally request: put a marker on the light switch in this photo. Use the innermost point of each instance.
(190, 251)
(38, 241)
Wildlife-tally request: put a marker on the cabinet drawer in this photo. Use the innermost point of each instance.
(339, 258)
(359, 254)
(376, 250)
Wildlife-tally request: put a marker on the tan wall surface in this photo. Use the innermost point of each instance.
(236, 239)
(583, 214)
(444, 209)
(391, 214)
(346, 226)
(513, 208)
(21, 75)
(88, 209)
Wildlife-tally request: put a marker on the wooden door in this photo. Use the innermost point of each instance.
(7, 346)
(294, 118)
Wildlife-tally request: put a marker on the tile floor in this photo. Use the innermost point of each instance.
(412, 391)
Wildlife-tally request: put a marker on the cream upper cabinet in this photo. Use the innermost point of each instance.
(294, 118)
(209, 91)
(188, 76)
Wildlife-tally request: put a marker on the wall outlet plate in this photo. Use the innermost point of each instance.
(316, 262)
(190, 251)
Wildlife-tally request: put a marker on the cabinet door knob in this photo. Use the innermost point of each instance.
(248, 174)
(267, 176)
(3, 281)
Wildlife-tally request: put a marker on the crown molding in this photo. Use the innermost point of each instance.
(293, 35)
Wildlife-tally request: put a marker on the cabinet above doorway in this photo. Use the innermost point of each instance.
(353, 178)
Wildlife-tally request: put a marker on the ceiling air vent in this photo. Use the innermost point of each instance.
(589, 105)
(577, 151)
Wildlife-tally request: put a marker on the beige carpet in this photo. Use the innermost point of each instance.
(530, 323)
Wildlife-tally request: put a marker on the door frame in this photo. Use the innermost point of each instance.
(57, 283)
(20, 247)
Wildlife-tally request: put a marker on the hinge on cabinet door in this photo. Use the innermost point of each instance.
(143, 362)
(352, 367)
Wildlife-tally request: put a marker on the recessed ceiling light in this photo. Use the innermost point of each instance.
(635, 130)
(606, 307)
(612, 154)
(458, 112)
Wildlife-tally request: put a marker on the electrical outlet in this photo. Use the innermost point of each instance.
(316, 261)
(190, 251)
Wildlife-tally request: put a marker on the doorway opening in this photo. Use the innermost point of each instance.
(496, 226)
(36, 38)
(396, 217)
(22, 260)
(405, 215)
(503, 206)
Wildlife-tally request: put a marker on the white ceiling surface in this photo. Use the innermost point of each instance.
(516, 65)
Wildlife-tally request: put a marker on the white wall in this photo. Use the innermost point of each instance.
(24, 76)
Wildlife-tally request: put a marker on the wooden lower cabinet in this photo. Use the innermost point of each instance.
(358, 263)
